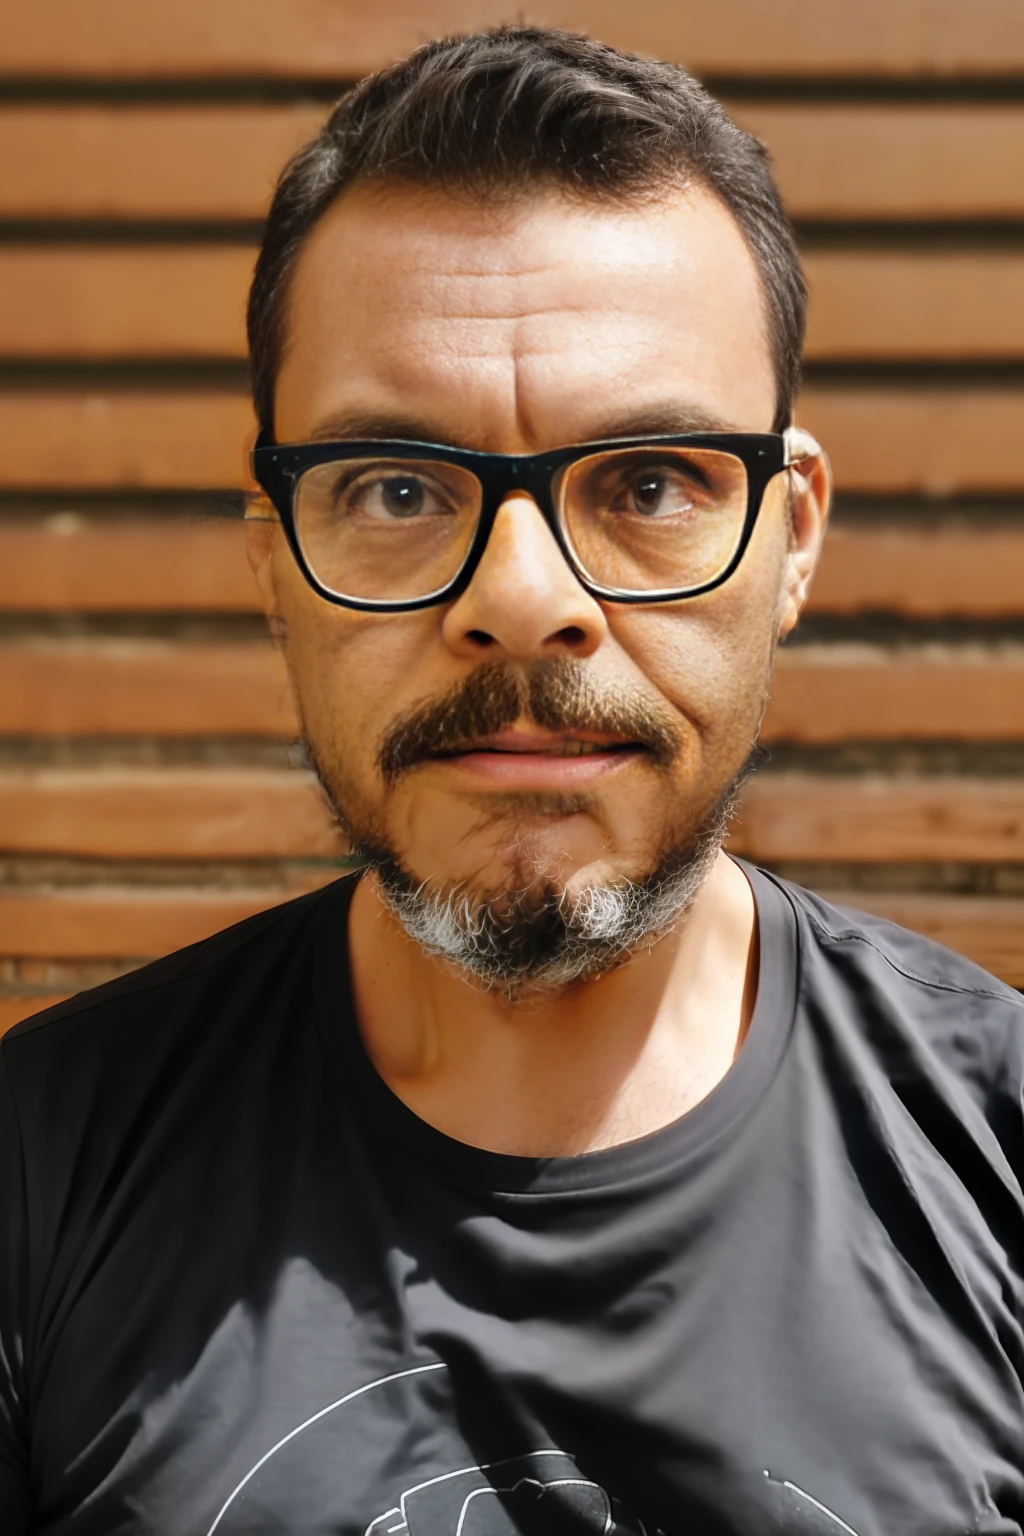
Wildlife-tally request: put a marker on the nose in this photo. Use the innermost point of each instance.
(523, 601)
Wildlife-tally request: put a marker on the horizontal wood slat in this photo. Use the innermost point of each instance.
(86, 923)
(834, 160)
(69, 563)
(934, 442)
(65, 563)
(166, 813)
(332, 39)
(912, 305)
(186, 301)
(820, 694)
(159, 162)
(925, 572)
(868, 819)
(987, 929)
(160, 439)
(886, 439)
(81, 922)
(144, 687)
(263, 813)
(905, 161)
(123, 301)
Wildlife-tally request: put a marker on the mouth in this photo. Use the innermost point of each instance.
(539, 759)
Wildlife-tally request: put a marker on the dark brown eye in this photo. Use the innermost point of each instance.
(648, 493)
(393, 496)
(401, 496)
(655, 492)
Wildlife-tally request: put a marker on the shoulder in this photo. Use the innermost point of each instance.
(128, 1082)
(251, 947)
(129, 1030)
(925, 1006)
(902, 953)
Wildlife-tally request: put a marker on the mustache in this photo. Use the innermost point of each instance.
(557, 694)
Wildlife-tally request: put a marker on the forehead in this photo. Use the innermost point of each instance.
(519, 326)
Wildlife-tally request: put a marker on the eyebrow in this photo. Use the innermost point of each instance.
(373, 424)
(670, 419)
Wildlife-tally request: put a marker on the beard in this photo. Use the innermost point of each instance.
(534, 934)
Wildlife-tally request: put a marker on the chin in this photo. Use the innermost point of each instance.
(532, 934)
(522, 842)
(525, 879)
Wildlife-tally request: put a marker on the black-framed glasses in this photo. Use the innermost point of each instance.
(393, 526)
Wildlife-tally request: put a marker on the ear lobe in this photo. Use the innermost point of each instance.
(811, 496)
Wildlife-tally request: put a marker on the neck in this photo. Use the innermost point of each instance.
(599, 1063)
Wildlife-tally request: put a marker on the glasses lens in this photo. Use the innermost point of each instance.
(654, 519)
(386, 529)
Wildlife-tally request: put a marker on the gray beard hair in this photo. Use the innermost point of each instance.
(539, 939)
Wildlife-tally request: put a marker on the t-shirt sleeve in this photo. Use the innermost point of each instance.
(1017, 1093)
(15, 1499)
(1007, 1115)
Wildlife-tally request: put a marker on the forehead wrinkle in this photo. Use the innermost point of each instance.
(514, 346)
(520, 411)
(475, 300)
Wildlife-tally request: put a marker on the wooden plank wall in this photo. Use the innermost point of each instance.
(149, 785)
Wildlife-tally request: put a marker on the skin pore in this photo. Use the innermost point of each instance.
(517, 328)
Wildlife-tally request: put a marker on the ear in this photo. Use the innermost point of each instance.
(262, 530)
(810, 488)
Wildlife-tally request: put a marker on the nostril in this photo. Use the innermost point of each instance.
(479, 637)
(572, 634)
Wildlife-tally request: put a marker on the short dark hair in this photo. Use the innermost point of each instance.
(498, 112)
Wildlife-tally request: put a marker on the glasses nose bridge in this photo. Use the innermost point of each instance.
(504, 475)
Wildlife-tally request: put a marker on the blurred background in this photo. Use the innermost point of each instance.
(150, 789)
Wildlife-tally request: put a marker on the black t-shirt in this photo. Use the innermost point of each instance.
(243, 1289)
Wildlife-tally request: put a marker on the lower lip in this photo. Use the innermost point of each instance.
(539, 770)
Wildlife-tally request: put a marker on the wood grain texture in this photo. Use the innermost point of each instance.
(143, 687)
(900, 440)
(833, 160)
(66, 562)
(331, 39)
(873, 819)
(166, 813)
(82, 922)
(264, 813)
(113, 161)
(915, 305)
(931, 442)
(904, 161)
(87, 301)
(158, 439)
(820, 694)
(123, 301)
(961, 569)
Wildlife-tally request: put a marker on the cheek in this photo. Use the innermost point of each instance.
(351, 672)
(711, 656)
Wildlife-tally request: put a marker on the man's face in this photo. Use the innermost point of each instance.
(517, 329)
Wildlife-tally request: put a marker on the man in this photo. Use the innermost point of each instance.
(558, 1173)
